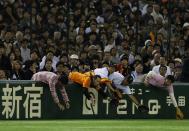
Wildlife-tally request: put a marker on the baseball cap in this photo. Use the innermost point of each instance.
(147, 43)
(178, 60)
(93, 47)
(74, 56)
(186, 24)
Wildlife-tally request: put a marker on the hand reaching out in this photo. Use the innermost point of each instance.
(179, 114)
(92, 100)
(67, 105)
(61, 106)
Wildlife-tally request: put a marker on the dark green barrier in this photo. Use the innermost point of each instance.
(31, 100)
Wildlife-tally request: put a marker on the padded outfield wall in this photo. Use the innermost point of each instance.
(32, 100)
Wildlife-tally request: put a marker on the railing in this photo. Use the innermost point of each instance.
(32, 100)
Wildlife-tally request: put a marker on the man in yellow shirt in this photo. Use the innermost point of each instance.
(86, 80)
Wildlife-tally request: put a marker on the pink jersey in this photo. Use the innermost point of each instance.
(157, 80)
(51, 79)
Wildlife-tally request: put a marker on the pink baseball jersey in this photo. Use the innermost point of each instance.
(158, 81)
(51, 79)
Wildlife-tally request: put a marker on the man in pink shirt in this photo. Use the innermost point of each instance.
(153, 79)
(54, 81)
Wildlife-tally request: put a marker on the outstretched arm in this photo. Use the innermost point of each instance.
(52, 86)
(86, 93)
(108, 84)
(88, 96)
(172, 96)
(179, 114)
(65, 96)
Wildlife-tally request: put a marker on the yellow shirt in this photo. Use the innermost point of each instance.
(82, 79)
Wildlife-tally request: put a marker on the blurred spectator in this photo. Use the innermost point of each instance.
(64, 58)
(74, 62)
(19, 37)
(3, 75)
(25, 51)
(30, 68)
(115, 56)
(107, 58)
(178, 62)
(48, 66)
(147, 49)
(49, 56)
(147, 16)
(4, 60)
(16, 73)
(34, 56)
(162, 62)
(124, 67)
(156, 58)
(12, 57)
(60, 68)
(171, 64)
(137, 74)
(146, 65)
(56, 30)
(17, 53)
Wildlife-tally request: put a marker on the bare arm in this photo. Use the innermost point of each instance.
(173, 99)
(179, 114)
(86, 93)
(108, 84)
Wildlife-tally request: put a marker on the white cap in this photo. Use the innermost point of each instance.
(93, 47)
(186, 24)
(74, 56)
(178, 60)
(146, 42)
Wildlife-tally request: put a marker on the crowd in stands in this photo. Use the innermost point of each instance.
(81, 35)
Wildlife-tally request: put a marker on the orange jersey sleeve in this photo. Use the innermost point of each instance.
(105, 80)
(102, 80)
(82, 79)
(89, 73)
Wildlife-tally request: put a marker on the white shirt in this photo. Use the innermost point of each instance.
(25, 54)
(55, 60)
(102, 72)
(117, 78)
(137, 77)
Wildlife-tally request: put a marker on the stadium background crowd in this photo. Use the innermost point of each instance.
(81, 35)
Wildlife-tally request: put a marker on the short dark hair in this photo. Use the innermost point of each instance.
(124, 57)
(67, 65)
(59, 63)
(96, 76)
(162, 66)
(170, 77)
(63, 79)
